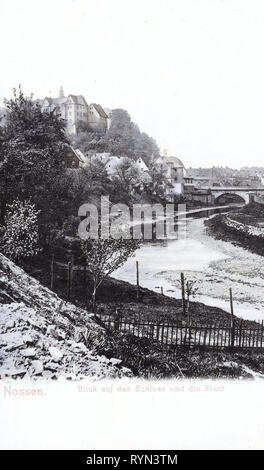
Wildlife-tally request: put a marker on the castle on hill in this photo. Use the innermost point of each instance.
(77, 112)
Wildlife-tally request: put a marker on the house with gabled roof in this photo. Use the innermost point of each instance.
(98, 118)
(175, 172)
(72, 158)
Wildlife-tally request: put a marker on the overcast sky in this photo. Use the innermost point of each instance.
(189, 72)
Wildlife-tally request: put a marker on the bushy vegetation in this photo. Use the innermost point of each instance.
(122, 139)
(32, 169)
(20, 238)
(31, 166)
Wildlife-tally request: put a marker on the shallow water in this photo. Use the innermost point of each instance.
(213, 265)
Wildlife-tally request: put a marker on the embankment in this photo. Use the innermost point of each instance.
(244, 227)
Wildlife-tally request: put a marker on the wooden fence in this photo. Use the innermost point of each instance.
(221, 335)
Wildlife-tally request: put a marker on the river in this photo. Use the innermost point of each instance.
(212, 265)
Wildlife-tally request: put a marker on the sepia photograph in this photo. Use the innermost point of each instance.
(131, 230)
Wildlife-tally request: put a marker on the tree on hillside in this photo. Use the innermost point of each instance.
(104, 256)
(123, 138)
(157, 186)
(19, 236)
(122, 134)
(90, 140)
(90, 183)
(146, 148)
(30, 157)
(126, 178)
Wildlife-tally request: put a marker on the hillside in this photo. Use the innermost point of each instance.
(43, 336)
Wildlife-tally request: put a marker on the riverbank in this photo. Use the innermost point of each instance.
(115, 294)
(148, 358)
(213, 265)
(244, 227)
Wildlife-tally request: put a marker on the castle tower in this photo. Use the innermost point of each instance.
(61, 94)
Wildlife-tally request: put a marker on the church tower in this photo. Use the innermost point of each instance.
(61, 94)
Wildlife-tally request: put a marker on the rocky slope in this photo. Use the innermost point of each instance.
(43, 336)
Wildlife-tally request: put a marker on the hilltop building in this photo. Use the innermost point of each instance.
(76, 111)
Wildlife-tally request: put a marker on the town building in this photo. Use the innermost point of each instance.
(175, 173)
(72, 158)
(112, 162)
(98, 117)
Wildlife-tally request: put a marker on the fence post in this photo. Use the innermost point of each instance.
(188, 303)
(117, 319)
(52, 272)
(72, 267)
(161, 290)
(162, 332)
(69, 279)
(261, 336)
(240, 333)
(183, 294)
(232, 331)
(152, 331)
(158, 330)
(85, 273)
(137, 279)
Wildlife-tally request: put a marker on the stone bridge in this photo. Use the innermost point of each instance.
(245, 193)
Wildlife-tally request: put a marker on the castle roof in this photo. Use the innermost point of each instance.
(78, 99)
(100, 110)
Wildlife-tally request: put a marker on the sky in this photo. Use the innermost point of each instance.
(189, 72)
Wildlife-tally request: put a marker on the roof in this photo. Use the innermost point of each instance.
(77, 99)
(100, 110)
(80, 155)
(112, 164)
(58, 100)
(175, 160)
(141, 164)
(48, 99)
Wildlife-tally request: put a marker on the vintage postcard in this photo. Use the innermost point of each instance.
(131, 228)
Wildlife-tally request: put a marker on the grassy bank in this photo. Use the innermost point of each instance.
(119, 294)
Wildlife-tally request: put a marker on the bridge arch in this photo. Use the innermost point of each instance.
(242, 197)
